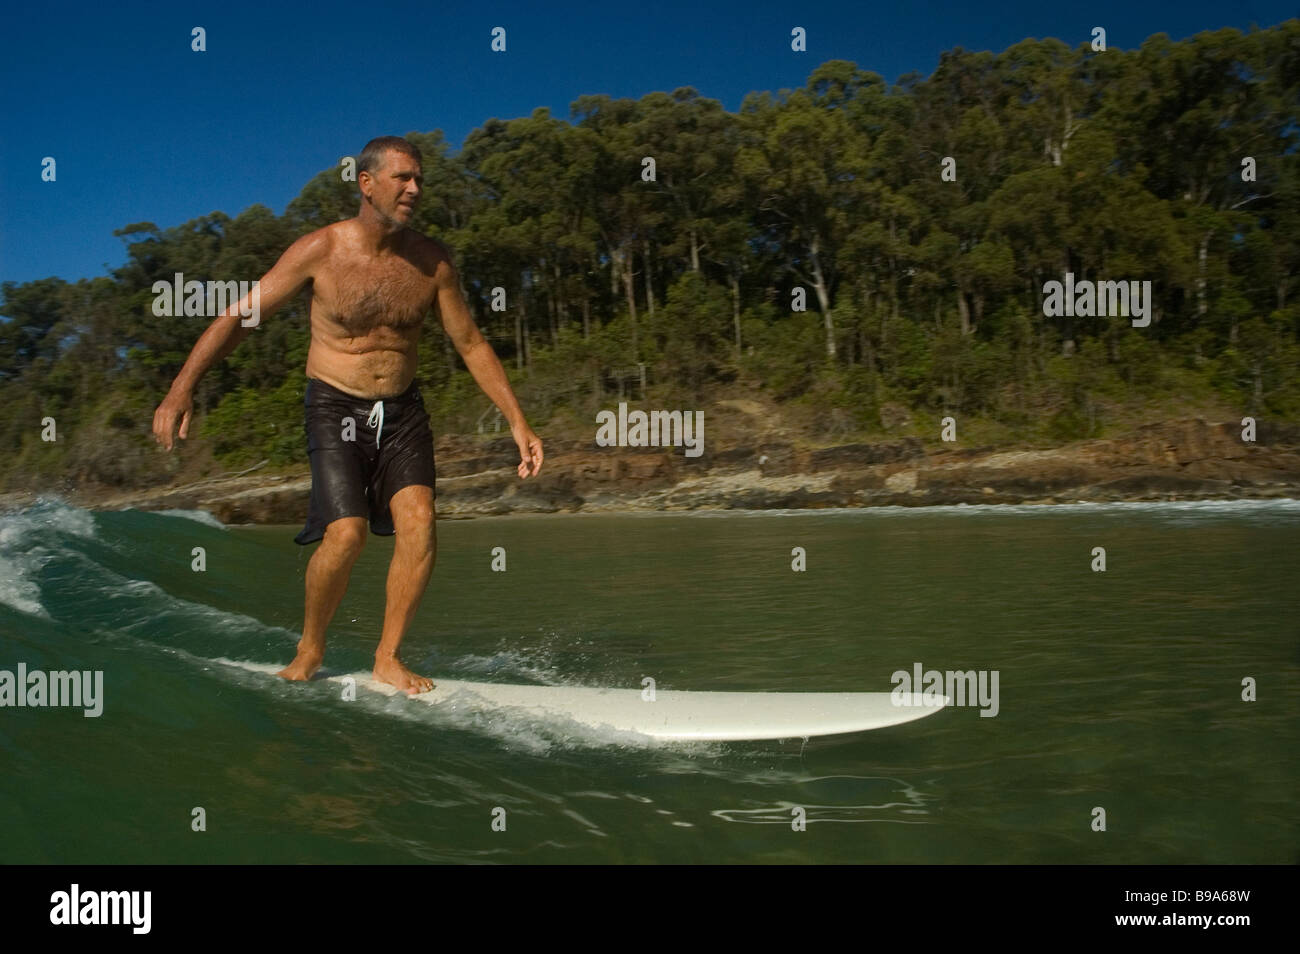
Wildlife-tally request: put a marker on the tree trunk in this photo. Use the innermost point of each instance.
(562, 301)
(695, 251)
(963, 310)
(884, 342)
(868, 358)
(625, 266)
(649, 287)
(1067, 338)
(550, 312)
(519, 334)
(735, 308)
(823, 297)
(893, 275)
(528, 351)
(1202, 252)
(449, 352)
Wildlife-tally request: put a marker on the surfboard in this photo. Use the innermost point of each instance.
(674, 714)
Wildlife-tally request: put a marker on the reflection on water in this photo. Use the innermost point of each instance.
(784, 813)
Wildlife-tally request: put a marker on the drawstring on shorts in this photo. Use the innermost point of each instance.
(377, 417)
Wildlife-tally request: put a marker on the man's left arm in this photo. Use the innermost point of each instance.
(484, 365)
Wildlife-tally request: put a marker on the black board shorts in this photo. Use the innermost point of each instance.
(362, 452)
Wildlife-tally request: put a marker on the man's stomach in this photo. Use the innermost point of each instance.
(372, 375)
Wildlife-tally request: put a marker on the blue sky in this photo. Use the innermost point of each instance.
(144, 129)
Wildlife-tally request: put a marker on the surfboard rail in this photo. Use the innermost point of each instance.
(674, 714)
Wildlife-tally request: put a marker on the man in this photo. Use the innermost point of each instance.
(373, 279)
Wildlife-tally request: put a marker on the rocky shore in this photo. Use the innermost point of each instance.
(1171, 460)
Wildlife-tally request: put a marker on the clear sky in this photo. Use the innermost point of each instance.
(144, 129)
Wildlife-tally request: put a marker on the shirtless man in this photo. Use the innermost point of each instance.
(373, 280)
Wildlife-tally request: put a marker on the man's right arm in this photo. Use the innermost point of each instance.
(295, 267)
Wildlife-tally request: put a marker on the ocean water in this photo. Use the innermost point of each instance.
(1119, 691)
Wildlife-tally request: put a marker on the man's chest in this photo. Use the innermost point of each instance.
(364, 295)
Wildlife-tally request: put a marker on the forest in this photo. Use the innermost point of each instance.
(865, 257)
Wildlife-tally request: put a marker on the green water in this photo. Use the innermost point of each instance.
(1118, 689)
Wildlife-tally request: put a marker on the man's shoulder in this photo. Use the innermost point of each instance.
(318, 243)
(431, 252)
(427, 243)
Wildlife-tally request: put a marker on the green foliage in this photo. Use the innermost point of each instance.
(251, 425)
(690, 335)
(567, 376)
(783, 355)
(923, 290)
(1260, 368)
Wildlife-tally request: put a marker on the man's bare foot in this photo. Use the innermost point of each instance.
(302, 668)
(390, 670)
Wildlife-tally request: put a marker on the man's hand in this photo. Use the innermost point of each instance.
(530, 449)
(180, 406)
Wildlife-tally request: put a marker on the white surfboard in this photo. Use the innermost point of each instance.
(674, 714)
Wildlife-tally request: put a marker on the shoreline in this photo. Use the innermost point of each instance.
(1187, 460)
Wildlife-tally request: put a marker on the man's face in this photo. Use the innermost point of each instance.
(394, 187)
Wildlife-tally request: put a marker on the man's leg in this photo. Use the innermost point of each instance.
(414, 549)
(327, 581)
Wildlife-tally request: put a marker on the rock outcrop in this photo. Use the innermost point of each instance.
(1186, 459)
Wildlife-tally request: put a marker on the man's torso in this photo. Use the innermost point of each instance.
(367, 311)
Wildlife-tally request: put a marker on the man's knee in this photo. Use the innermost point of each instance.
(347, 535)
(414, 515)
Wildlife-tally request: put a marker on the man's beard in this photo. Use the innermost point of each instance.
(387, 219)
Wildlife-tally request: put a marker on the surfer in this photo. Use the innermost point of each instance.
(373, 280)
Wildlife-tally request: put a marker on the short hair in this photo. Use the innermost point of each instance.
(372, 156)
